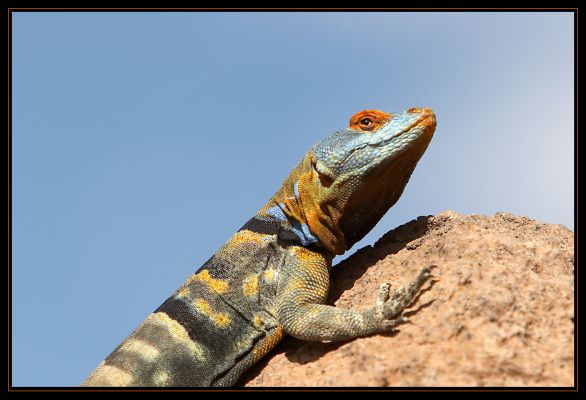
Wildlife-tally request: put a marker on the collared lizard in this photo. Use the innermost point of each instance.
(272, 277)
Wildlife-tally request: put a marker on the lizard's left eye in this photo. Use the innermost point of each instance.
(365, 122)
(369, 120)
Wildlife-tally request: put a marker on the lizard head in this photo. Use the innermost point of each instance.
(348, 181)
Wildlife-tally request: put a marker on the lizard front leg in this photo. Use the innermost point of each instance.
(304, 288)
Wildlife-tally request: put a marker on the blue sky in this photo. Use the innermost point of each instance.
(142, 141)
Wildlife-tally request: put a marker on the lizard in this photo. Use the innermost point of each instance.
(271, 278)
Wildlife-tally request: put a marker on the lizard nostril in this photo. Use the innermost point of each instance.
(414, 110)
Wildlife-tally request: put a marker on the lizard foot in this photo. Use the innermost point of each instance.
(389, 306)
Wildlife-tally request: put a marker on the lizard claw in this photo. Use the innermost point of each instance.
(388, 324)
(390, 307)
(383, 294)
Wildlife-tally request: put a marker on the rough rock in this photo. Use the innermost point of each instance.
(501, 312)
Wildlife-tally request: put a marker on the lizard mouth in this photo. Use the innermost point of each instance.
(424, 124)
(426, 121)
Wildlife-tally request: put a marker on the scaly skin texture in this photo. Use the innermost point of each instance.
(272, 277)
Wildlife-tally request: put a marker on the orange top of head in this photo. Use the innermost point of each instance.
(369, 120)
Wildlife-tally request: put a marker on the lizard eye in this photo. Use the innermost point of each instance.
(365, 123)
(369, 120)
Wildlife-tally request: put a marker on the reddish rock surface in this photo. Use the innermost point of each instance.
(500, 314)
